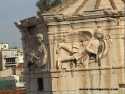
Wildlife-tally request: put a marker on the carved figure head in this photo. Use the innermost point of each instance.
(85, 35)
(39, 37)
(99, 35)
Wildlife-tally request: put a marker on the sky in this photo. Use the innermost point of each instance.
(10, 12)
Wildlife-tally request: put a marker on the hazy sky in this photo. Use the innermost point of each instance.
(11, 11)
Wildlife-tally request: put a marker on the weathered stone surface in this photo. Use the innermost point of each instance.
(73, 7)
(85, 53)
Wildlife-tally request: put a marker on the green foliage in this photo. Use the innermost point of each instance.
(44, 5)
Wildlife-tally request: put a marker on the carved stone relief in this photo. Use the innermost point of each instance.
(38, 55)
(35, 42)
(87, 47)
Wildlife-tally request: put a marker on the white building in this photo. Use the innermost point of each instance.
(4, 46)
(12, 59)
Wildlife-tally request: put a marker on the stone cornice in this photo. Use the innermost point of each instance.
(85, 16)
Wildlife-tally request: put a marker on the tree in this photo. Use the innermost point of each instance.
(44, 5)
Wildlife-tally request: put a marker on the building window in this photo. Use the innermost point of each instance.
(10, 60)
(40, 84)
(21, 78)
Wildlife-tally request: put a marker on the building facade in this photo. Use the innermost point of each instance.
(11, 62)
(11, 57)
(4, 46)
(75, 48)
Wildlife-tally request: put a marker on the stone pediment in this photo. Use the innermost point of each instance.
(78, 7)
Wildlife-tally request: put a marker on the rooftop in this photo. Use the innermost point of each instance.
(77, 7)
